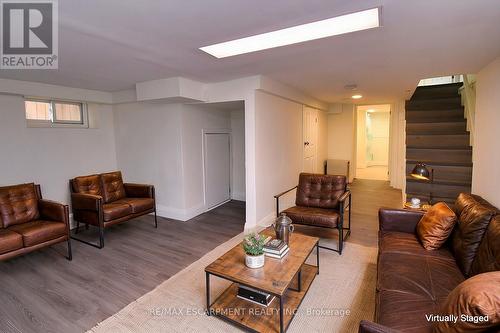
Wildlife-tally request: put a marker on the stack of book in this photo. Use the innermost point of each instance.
(276, 248)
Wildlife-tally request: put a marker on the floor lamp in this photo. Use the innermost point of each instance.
(421, 171)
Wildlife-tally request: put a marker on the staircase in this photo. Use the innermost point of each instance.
(436, 134)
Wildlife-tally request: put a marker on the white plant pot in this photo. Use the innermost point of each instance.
(254, 261)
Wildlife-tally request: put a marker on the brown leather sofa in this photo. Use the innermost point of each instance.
(29, 223)
(103, 200)
(412, 281)
(320, 202)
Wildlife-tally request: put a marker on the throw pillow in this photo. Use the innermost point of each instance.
(474, 303)
(435, 226)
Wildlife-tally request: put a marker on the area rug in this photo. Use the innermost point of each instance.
(340, 296)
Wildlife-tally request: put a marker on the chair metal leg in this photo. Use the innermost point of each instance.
(101, 239)
(156, 220)
(86, 226)
(70, 253)
(101, 236)
(77, 227)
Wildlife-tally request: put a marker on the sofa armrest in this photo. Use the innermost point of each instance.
(366, 326)
(86, 201)
(139, 190)
(403, 220)
(53, 211)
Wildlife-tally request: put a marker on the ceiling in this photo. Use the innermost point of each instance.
(112, 45)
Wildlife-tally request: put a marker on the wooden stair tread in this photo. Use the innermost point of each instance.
(450, 163)
(441, 181)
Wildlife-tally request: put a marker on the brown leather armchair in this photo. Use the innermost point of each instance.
(104, 200)
(29, 223)
(321, 201)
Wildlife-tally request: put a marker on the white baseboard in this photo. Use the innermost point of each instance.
(179, 214)
(240, 196)
(262, 223)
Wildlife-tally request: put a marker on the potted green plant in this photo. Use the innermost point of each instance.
(253, 244)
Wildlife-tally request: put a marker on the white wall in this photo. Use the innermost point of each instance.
(238, 154)
(278, 150)
(397, 147)
(486, 170)
(52, 156)
(341, 136)
(195, 119)
(148, 150)
(162, 144)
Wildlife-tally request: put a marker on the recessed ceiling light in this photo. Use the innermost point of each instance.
(356, 96)
(343, 24)
(370, 110)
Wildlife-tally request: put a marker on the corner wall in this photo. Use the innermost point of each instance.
(486, 156)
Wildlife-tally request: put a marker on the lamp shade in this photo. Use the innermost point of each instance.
(420, 171)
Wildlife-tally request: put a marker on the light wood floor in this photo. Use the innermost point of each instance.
(43, 292)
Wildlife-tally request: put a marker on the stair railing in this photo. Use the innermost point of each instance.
(468, 97)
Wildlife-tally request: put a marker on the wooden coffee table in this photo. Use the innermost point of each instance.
(287, 279)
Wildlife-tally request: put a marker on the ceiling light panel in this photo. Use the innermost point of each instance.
(366, 19)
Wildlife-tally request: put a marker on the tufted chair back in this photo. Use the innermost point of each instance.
(18, 204)
(87, 185)
(321, 191)
(112, 186)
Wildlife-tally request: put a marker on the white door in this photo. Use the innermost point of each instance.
(217, 169)
(310, 134)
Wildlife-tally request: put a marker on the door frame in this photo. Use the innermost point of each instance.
(204, 156)
(355, 136)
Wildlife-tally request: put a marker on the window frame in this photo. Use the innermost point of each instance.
(53, 122)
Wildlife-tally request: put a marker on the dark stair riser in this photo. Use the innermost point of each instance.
(434, 104)
(449, 191)
(441, 91)
(439, 155)
(437, 128)
(434, 116)
(424, 197)
(454, 173)
(436, 141)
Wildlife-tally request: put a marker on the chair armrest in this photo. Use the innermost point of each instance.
(86, 201)
(285, 192)
(53, 211)
(139, 190)
(366, 326)
(403, 220)
(343, 197)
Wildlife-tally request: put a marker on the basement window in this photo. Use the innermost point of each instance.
(53, 113)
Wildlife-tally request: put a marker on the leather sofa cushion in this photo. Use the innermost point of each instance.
(112, 186)
(472, 225)
(39, 231)
(18, 204)
(436, 226)
(321, 191)
(10, 241)
(464, 200)
(477, 296)
(87, 185)
(406, 243)
(425, 276)
(404, 312)
(138, 204)
(313, 216)
(488, 255)
(114, 210)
